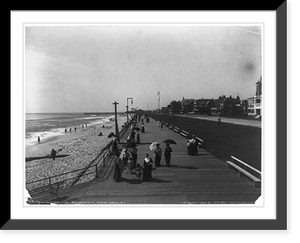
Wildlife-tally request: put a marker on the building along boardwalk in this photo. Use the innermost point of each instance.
(198, 179)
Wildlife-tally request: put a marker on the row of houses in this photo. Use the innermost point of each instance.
(221, 106)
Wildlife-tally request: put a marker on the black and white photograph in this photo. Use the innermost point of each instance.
(148, 120)
(143, 114)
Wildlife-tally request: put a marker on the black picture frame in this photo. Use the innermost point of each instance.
(281, 221)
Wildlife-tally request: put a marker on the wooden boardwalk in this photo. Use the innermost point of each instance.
(200, 179)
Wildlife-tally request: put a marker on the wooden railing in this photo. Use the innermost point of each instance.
(245, 169)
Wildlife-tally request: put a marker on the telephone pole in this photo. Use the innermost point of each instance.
(116, 121)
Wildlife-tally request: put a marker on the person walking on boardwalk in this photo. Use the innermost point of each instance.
(168, 151)
(132, 135)
(118, 169)
(196, 145)
(192, 145)
(188, 145)
(157, 155)
(125, 155)
(143, 128)
(147, 171)
(134, 155)
(130, 164)
(138, 171)
(115, 144)
(138, 139)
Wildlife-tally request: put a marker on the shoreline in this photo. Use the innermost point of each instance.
(74, 151)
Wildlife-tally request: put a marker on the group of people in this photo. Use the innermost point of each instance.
(158, 152)
(127, 161)
(192, 146)
(75, 128)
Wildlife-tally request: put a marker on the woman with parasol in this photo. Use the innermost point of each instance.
(168, 151)
(147, 171)
(157, 155)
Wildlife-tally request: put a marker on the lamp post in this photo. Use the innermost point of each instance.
(127, 105)
(116, 121)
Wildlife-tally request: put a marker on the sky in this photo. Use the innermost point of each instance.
(87, 68)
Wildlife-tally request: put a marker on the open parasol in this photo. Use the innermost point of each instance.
(153, 145)
(135, 128)
(169, 141)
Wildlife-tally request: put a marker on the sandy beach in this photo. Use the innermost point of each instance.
(74, 151)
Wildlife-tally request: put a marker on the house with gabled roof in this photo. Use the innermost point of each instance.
(203, 106)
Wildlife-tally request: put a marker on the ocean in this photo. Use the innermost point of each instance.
(47, 125)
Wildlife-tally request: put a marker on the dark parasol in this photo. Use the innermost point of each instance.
(169, 141)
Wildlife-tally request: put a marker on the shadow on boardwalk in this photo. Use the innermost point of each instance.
(138, 181)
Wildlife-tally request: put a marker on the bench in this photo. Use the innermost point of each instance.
(199, 140)
(184, 133)
(176, 129)
(256, 181)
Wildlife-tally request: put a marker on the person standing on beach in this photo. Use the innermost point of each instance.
(70, 130)
(39, 140)
(75, 129)
(168, 151)
(53, 154)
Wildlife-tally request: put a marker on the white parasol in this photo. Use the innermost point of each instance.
(153, 145)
